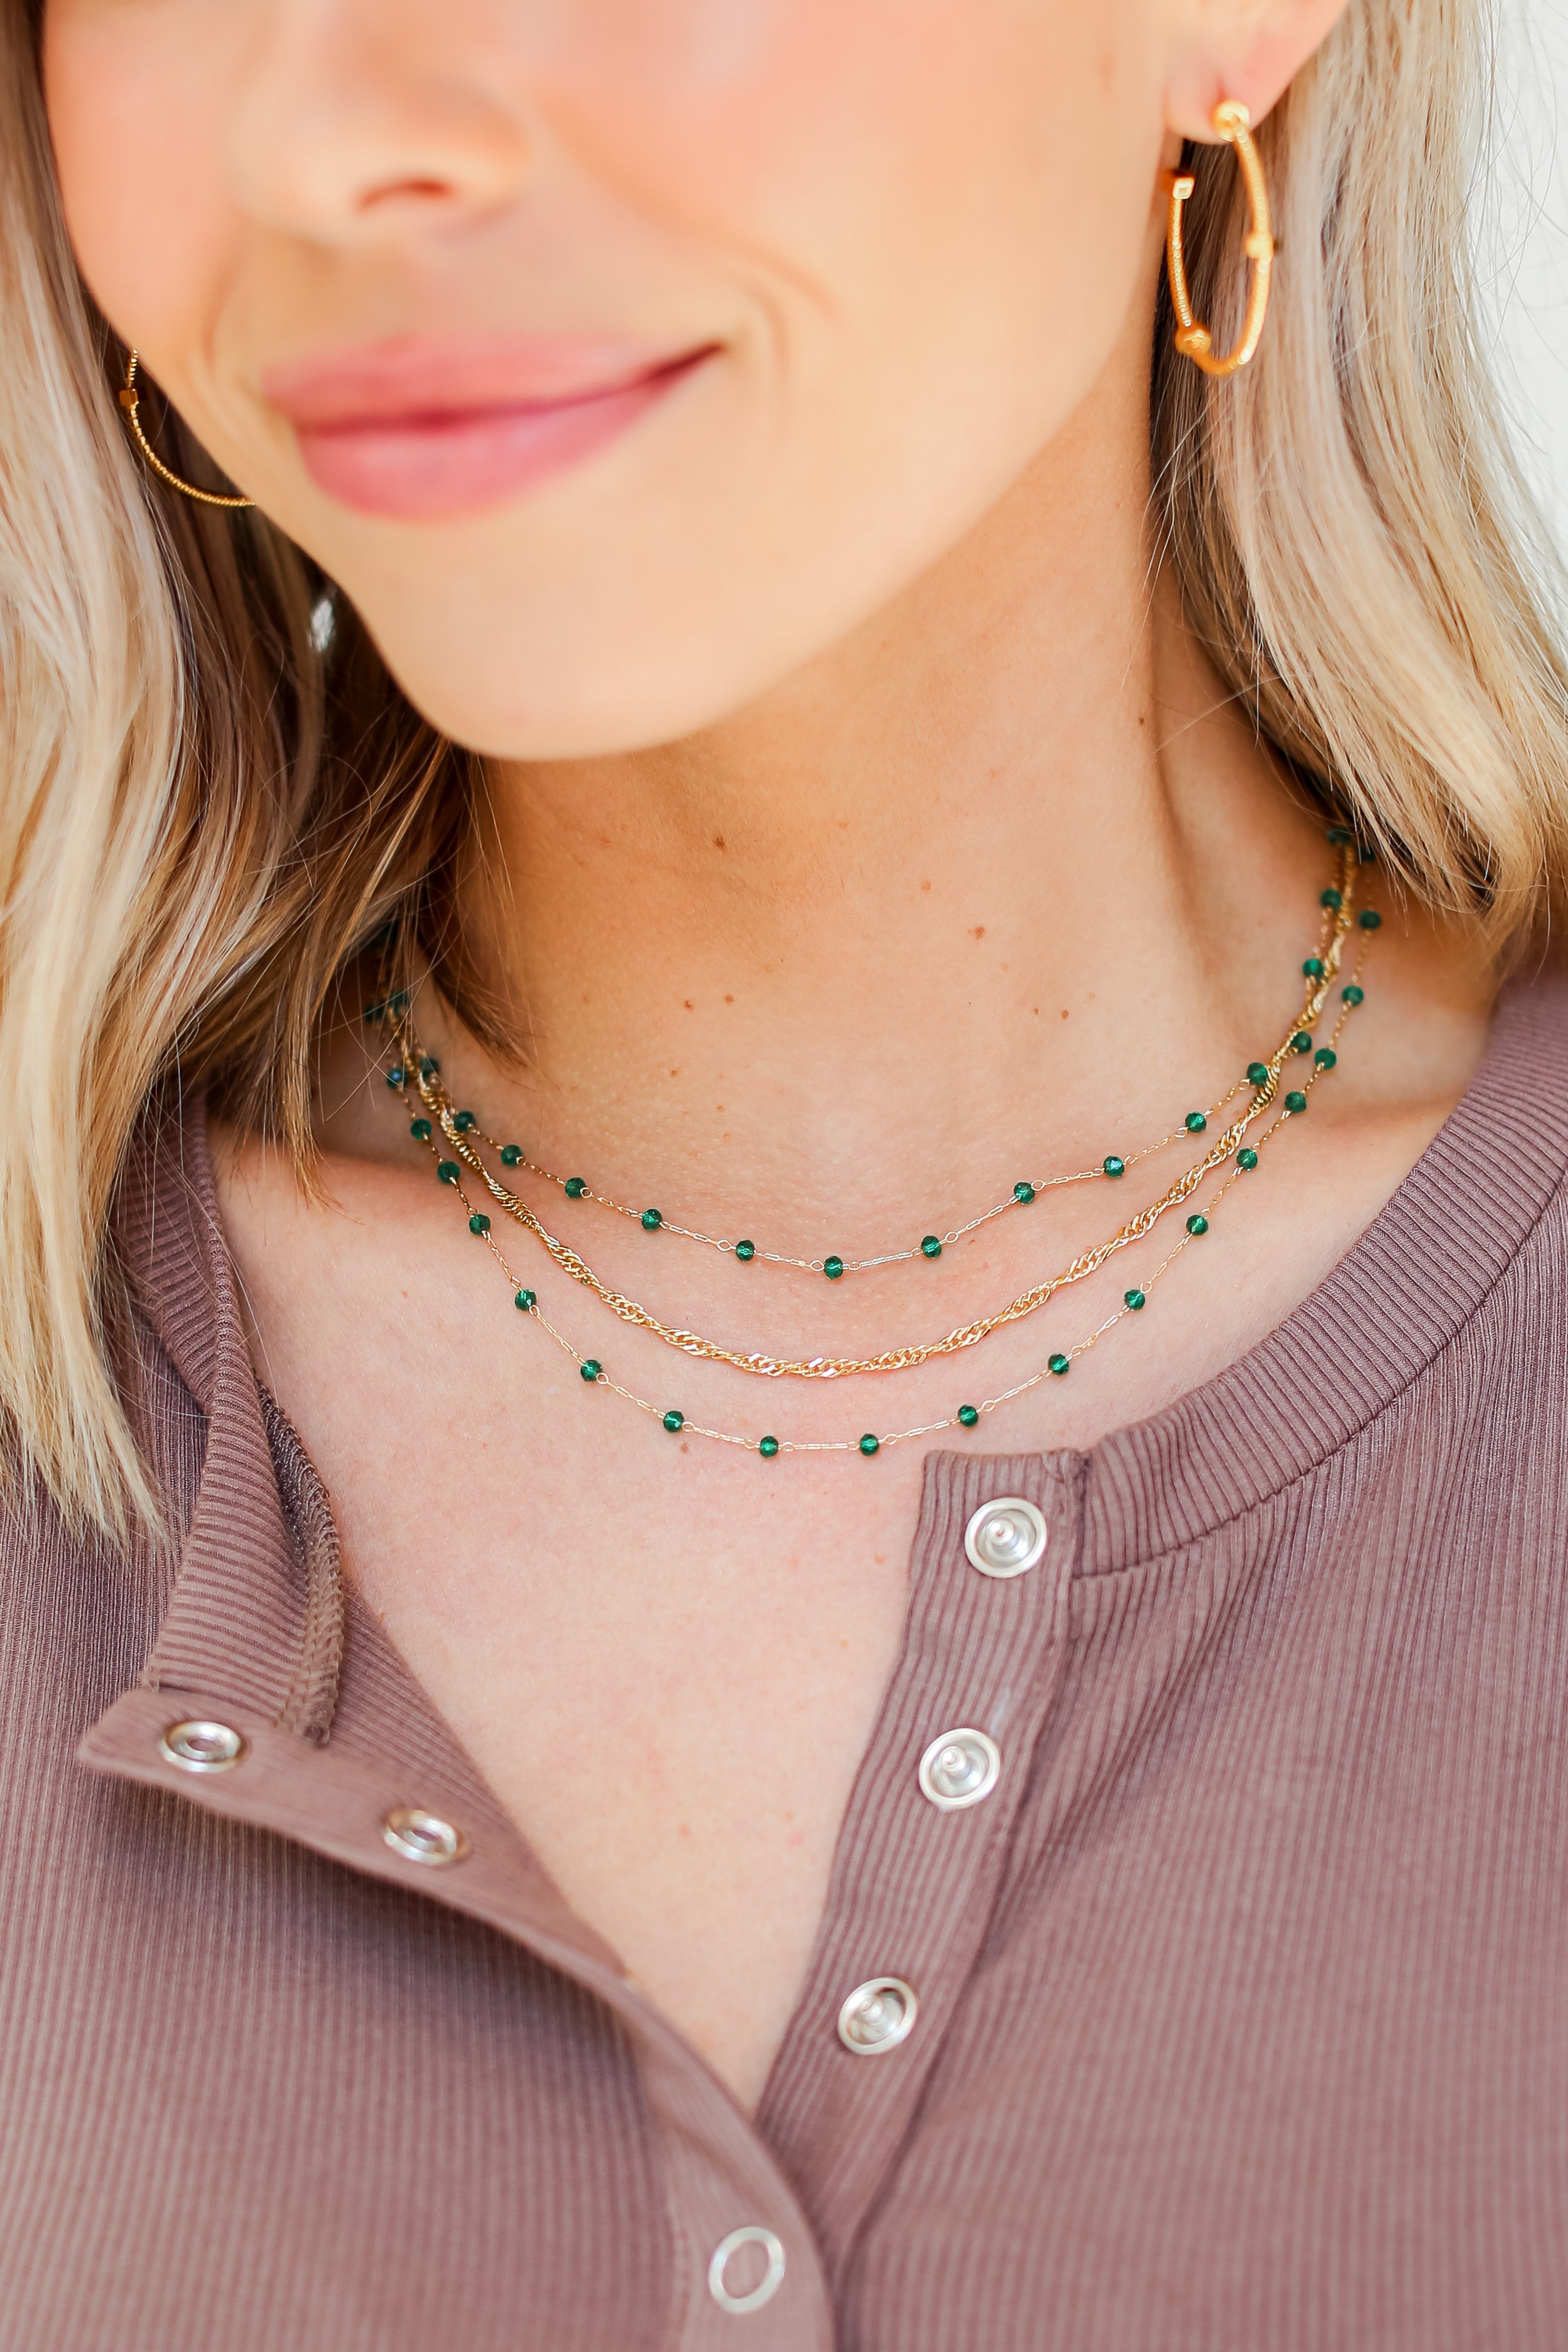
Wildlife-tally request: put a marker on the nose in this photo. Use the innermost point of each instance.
(357, 120)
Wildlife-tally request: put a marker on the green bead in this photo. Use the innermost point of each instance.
(652, 1220)
(768, 1447)
(1326, 1058)
(674, 1423)
(1247, 1158)
(592, 1369)
(464, 1122)
(931, 1246)
(428, 1067)
(1115, 1167)
(1370, 919)
(1365, 853)
(421, 1130)
(526, 1301)
(1197, 1226)
(1295, 1102)
(575, 1187)
(1024, 1192)
(511, 1155)
(1257, 1074)
(1061, 1365)
(745, 1252)
(1133, 1298)
(967, 1416)
(1332, 899)
(1312, 968)
(1354, 995)
(1301, 1042)
(397, 1076)
(1194, 1122)
(478, 1223)
(398, 1005)
(448, 1171)
(832, 1267)
(1340, 836)
(375, 1012)
(870, 1445)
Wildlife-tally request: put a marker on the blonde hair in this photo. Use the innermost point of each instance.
(196, 835)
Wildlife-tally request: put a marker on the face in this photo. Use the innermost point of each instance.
(614, 356)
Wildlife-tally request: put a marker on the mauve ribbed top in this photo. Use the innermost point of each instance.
(1243, 1995)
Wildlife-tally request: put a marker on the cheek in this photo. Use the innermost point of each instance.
(859, 144)
(940, 211)
(137, 93)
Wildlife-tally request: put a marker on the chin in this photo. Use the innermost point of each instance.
(605, 703)
(590, 669)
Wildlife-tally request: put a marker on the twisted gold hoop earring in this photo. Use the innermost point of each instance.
(1234, 124)
(130, 400)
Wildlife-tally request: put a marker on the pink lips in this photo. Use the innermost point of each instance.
(426, 429)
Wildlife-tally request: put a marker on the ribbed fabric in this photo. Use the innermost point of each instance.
(1243, 2020)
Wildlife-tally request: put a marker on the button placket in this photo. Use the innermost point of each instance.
(920, 1856)
(720, 2177)
(260, 1554)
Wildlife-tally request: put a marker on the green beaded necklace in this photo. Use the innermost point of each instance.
(411, 1065)
(457, 1126)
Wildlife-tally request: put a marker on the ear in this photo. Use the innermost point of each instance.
(1249, 50)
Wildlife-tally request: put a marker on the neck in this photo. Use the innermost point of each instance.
(958, 896)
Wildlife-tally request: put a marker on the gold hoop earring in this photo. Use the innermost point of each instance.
(128, 400)
(1234, 124)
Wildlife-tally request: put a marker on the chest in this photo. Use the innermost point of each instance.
(666, 1657)
(668, 1672)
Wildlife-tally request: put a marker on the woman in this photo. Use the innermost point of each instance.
(656, 592)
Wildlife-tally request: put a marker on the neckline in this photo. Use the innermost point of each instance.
(1403, 1291)
(1401, 1294)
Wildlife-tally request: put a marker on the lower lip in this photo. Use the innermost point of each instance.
(419, 468)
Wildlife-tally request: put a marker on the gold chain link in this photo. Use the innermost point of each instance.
(969, 1335)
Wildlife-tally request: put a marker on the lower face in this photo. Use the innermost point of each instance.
(615, 359)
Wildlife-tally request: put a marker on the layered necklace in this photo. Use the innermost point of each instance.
(1250, 1115)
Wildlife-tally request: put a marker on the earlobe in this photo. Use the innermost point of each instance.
(1239, 49)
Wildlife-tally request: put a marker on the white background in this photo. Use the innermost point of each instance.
(1521, 243)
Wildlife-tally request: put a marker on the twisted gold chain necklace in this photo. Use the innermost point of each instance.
(456, 1128)
(413, 1064)
(966, 1417)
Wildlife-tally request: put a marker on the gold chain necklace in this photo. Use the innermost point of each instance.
(1335, 902)
(967, 1416)
(457, 1126)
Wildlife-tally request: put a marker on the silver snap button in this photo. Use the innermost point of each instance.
(420, 1836)
(724, 2253)
(959, 1768)
(878, 2016)
(1005, 1538)
(197, 1747)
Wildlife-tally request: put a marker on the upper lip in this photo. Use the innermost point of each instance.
(404, 379)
